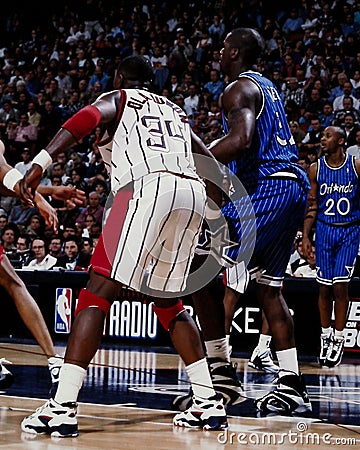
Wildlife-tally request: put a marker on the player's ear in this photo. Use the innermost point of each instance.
(118, 80)
(234, 52)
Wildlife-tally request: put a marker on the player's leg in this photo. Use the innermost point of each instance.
(281, 204)
(31, 315)
(325, 305)
(58, 416)
(341, 298)
(261, 357)
(206, 409)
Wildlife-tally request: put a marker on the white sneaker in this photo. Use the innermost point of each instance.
(6, 377)
(208, 414)
(261, 359)
(52, 418)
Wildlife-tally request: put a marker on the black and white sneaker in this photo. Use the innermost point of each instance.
(208, 414)
(325, 347)
(289, 397)
(225, 381)
(335, 352)
(6, 377)
(261, 359)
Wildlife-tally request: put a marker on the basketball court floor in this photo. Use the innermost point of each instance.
(125, 403)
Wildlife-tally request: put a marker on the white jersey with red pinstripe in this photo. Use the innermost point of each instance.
(150, 234)
(153, 135)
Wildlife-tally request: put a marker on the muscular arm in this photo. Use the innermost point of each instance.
(241, 101)
(103, 111)
(311, 210)
(107, 106)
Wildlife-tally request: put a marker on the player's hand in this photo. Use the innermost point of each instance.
(70, 194)
(306, 247)
(30, 182)
(48, 212)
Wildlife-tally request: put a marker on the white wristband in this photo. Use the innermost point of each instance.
(212, 214)
(11, 178)
(43, 159)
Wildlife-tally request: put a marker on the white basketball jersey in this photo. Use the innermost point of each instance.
(153, 135)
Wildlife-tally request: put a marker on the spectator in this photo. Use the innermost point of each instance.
(22, 254)
(73, 259)
(35, 226)
(297, 133)
(191, 101)
(347, 107)
(353, 150)
(292, 24)
(295, 93)
(314, 105)
(307, 270)
(24, 165)
(93, 208)
(346, 92)
(33, 115)
(9, 237)
(24, 134)
(88, 245)
(41, 259)
(50, 122)
(350, 129)
(55, 246)
(327, 117)
(215, 86)
(20, 213)
(312, 138)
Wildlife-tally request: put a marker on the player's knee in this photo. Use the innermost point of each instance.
(168, 314)
(87, 299)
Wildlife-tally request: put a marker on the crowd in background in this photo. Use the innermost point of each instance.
(54, 63)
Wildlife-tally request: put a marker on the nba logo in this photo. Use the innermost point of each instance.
(63, 310)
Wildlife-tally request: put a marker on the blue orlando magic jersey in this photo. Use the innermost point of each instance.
(273, 147)
(338, 192)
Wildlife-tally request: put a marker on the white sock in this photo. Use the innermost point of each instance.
(199, 375)
(339, 334)
(218, 348)
(71, 380)
(264, 340)
(287, 360)
(326, 330)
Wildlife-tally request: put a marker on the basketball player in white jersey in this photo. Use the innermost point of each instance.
(147, 242)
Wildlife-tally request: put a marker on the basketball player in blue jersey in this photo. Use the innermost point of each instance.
(149, 236)
(334, 202)
(259, 149)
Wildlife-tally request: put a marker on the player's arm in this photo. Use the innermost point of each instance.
(69, 194)
(102, 111)
(311, 210)
(209, 169)
(241, 100)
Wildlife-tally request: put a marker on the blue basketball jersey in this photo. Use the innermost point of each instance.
(338, 192)
(273, 147)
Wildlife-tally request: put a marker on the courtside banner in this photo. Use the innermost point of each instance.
(63, 303)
